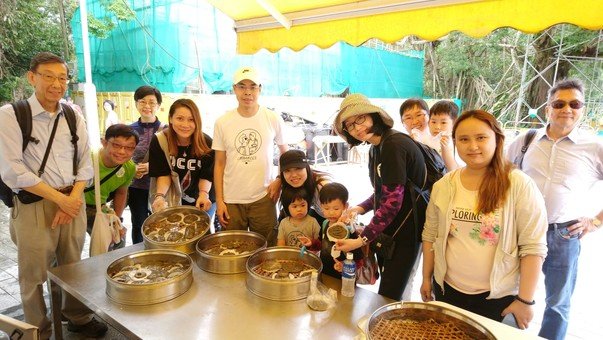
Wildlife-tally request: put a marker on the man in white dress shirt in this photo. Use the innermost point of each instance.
(565, 163)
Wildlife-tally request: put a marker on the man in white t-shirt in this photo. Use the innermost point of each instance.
(244, 140)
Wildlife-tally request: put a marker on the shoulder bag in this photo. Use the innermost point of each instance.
(173, 196)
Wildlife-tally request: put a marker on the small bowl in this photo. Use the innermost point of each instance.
(337, 231)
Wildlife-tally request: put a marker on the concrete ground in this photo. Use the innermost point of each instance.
(585, 318)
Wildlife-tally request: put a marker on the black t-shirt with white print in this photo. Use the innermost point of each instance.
(189, 169)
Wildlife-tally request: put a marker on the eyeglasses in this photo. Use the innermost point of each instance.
(122, 147)
(143, 103)
(560, 104)
(351, 126)
(411, 117)
(49, 78)
(250, 88)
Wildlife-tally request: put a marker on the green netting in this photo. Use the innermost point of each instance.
(171, 42)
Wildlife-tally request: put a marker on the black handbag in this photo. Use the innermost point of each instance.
(383, 245)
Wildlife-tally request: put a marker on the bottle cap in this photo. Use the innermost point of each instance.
(349, 256)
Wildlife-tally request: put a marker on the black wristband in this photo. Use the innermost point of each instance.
(529, 303)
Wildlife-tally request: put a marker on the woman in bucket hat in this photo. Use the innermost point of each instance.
(393, 159)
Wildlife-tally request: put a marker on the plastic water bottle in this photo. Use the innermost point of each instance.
(348, 276)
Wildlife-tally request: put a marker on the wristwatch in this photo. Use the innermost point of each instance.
(364, 240)
(596, 222)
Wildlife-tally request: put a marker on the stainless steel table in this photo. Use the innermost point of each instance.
(215, 307)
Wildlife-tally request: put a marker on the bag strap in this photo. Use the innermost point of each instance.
(421, 189)
(96, 186)
(526, 144)
(72, 123)
(105, 178)
(50, 142)
(415, 214)
(23, 115)
(163, 143)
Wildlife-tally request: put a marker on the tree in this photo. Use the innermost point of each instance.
(487, 72)
(28, 27)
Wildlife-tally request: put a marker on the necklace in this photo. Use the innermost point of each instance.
(186, 148)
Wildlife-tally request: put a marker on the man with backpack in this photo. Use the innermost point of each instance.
(566, 163)
(48, 220)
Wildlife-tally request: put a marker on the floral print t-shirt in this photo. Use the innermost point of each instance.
(471, 245)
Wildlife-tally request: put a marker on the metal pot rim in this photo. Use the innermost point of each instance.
(141, 253)
(280, 249)
(225, 233)
(427, 306)
(166, 211)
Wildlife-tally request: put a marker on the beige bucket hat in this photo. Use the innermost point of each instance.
(354, 105)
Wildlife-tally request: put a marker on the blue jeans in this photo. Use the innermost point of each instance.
(560, 270)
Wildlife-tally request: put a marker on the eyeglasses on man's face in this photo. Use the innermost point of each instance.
(145, 103)
(122, 147)
(243, 87)
(49, 78)
(560, 104)
(352, 125)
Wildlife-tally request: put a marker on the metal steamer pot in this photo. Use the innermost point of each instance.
(227, 264)
(149, 293)
(187, 246)
(419, 311)
(280, 289)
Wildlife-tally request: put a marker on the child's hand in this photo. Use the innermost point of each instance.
(338, 266)
(446, 141)
(306, 241)
(348, 216)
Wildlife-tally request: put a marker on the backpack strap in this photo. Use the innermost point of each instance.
(526, 144)
(23, 115)
(72, 123)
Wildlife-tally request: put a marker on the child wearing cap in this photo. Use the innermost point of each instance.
(243, 141)
(295, 172)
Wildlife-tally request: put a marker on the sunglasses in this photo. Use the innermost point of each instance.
(560, 104)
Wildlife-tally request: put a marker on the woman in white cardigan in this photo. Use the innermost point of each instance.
(484, 239)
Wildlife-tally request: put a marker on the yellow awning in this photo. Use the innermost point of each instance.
(260, 23)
